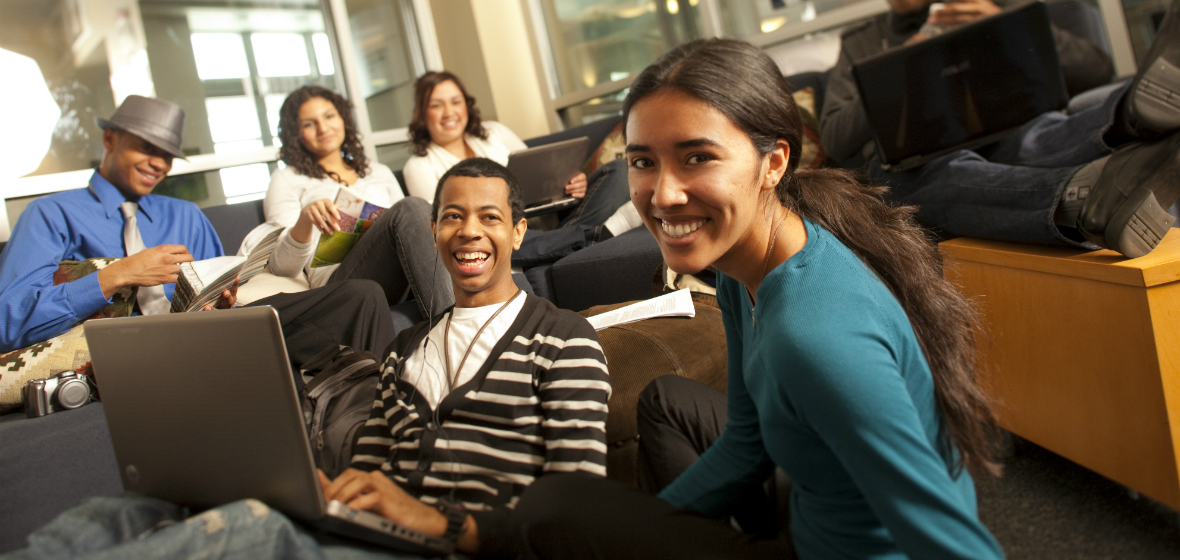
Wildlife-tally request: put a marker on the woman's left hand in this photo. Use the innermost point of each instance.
(577, 186)
(375, 492)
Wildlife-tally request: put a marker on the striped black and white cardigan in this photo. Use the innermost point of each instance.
(537, 405)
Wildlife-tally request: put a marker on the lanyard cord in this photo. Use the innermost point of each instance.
(452, 379)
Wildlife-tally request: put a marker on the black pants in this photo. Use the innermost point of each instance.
(576, 516)
(352, 313)
(678, 419)
(580, 516)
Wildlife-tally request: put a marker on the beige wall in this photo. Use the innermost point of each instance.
(487, 44)
(462, 53)
(504, 34)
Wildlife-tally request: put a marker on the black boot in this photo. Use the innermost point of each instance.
(1126, 210)
(1153, 102)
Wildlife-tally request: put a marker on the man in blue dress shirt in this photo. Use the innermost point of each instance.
(139, 142)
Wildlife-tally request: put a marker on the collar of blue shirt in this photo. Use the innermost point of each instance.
(111, 198)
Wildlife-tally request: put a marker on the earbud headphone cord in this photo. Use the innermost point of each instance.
(454, 378)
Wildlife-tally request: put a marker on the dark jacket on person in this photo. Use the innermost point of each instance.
(844, 127)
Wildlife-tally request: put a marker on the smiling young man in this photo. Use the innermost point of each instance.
(477, 403)
(139, 142)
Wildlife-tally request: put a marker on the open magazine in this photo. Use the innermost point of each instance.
(201, 283)
(356, 215)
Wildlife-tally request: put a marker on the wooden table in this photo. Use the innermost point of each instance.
(1081, 351)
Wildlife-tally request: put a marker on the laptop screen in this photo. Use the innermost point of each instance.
(961, 87)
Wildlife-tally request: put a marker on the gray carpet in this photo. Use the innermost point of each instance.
(1046, 506)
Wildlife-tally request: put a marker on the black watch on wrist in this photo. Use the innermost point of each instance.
(456, 518)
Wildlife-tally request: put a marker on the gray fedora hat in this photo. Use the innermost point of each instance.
(155, 120)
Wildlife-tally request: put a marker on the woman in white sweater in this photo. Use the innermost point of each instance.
(446, 129)
(322, 151)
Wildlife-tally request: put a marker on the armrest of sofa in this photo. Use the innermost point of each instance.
(616, 270)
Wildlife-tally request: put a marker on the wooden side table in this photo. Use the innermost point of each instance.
(1081, 352)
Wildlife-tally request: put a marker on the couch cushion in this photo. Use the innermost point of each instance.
(49, 465)
(542, 280)
(619, 269)
(234, 221)
(401, 181)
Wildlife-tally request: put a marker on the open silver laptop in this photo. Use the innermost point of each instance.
(544, 171)
(203, 411)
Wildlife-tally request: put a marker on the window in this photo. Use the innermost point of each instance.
(749, 18)
(596, 42)
(604, 107)
(228, 64)
(247, 61)
(219, 56)
(281, 54)
(246, 182)
(389, 58)
(323, 54)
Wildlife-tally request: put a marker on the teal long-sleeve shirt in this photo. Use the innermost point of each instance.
(827, 381)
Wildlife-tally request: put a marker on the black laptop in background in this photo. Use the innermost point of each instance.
(963, 89)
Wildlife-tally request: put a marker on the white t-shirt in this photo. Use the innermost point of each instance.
(426, 368)
(290, 191)
(423, 172)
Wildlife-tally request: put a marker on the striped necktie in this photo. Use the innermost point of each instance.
(151, 299)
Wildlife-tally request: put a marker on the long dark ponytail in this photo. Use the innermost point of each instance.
(743, 83)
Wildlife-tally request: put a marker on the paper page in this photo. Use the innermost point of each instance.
(209, 270)
(259, 255)
(675, 304)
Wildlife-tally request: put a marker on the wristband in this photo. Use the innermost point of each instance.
(456, 518)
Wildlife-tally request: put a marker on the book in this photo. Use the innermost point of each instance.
(356, 215)
(675, 304)
(201, 283)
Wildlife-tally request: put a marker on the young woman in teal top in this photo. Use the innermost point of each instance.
(850, 357)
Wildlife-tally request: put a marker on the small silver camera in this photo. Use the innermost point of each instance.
(64, 390)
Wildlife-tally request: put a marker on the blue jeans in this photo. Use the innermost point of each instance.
(135, 527)
(606, 191)
(1011, 193)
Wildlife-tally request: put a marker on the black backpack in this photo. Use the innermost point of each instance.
(337, 402)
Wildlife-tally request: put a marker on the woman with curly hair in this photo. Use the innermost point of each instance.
(447, 128)
(322, 150)
(851, 358)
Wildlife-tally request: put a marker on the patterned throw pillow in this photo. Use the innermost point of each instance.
(813, 152)
(67, 351)
(609, 150)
